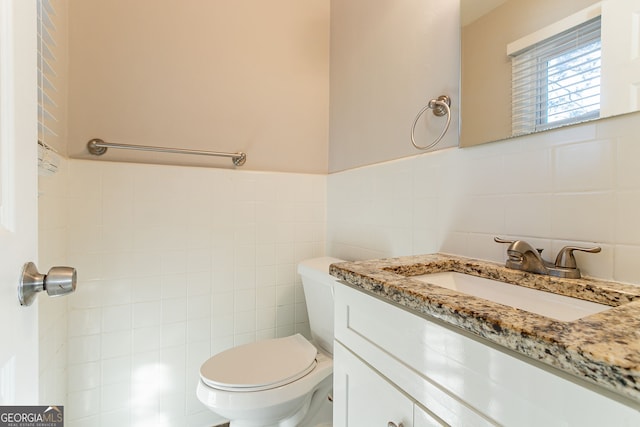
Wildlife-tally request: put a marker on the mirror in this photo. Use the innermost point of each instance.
(489, 26)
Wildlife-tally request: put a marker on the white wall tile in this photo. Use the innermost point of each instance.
(87, 210)
(626, 219)
(245, 299)
(626, 264)
(244, 322)
(121, 417)
(116, 370)
(199, 283)
(82, 422)
(115, 344)
(265, 297)
(199, 330)
(223, 326)
(198, 307)
(527, 171)
(626, 167)
(223, 280)
(484, 214)
(285, 316)
(173, 310)
(266, 318)
(586, 166)
(84, 349)
(583, 216)
(173, 286)
(568, 135)
(222, 303)
(174, 335)
(485, 173)
(146, 314)
(117, 196)
(145, 288)
(146, 264)
(115, 396)
(146, 339)
(116, 265)
(116, 318)
(84, 376)
(86, 403)
(84, 322)
(116, 292)
(266, 334)
(285, 274)
(285, 330)
(528, 215)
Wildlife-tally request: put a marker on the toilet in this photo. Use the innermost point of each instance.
(281, 382)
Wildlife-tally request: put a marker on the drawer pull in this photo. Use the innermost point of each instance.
(392, 424)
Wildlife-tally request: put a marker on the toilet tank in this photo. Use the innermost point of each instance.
(318, 293)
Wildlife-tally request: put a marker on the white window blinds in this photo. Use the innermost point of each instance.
(557, 80)
(47, 92)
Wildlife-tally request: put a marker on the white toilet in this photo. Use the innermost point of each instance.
(283, 382)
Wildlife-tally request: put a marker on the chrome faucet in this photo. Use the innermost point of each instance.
(522, 256)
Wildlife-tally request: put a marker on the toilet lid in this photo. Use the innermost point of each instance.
(260, 366)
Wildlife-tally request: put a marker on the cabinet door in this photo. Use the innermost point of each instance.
(422, 418)
(364, 398)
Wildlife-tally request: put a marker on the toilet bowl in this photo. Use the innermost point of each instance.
(282, 382)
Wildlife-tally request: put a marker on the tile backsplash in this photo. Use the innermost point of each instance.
(578, 185)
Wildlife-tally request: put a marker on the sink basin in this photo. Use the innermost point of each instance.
(555, 306)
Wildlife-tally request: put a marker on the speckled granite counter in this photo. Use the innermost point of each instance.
(603, 348)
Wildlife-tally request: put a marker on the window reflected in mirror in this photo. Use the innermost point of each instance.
(533, 65)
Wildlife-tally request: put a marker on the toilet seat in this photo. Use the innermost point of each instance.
(260, 366)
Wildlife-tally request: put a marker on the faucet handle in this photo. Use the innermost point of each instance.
(501, 240)
(565, 258)
(512, 256)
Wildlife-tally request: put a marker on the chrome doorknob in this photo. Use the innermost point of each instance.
(57, 282)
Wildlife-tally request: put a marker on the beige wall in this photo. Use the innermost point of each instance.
(212, 75)
(388, 58)
(486, 68)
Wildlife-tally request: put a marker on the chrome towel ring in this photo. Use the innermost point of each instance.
(440, 107)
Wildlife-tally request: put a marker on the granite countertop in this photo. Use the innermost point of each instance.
(603, 348)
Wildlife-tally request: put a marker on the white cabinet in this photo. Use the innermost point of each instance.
(364, 398)
(391, 365)
(422, 419)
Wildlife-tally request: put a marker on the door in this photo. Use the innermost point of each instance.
(18, 199)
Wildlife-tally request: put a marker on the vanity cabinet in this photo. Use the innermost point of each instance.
(391, 365)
